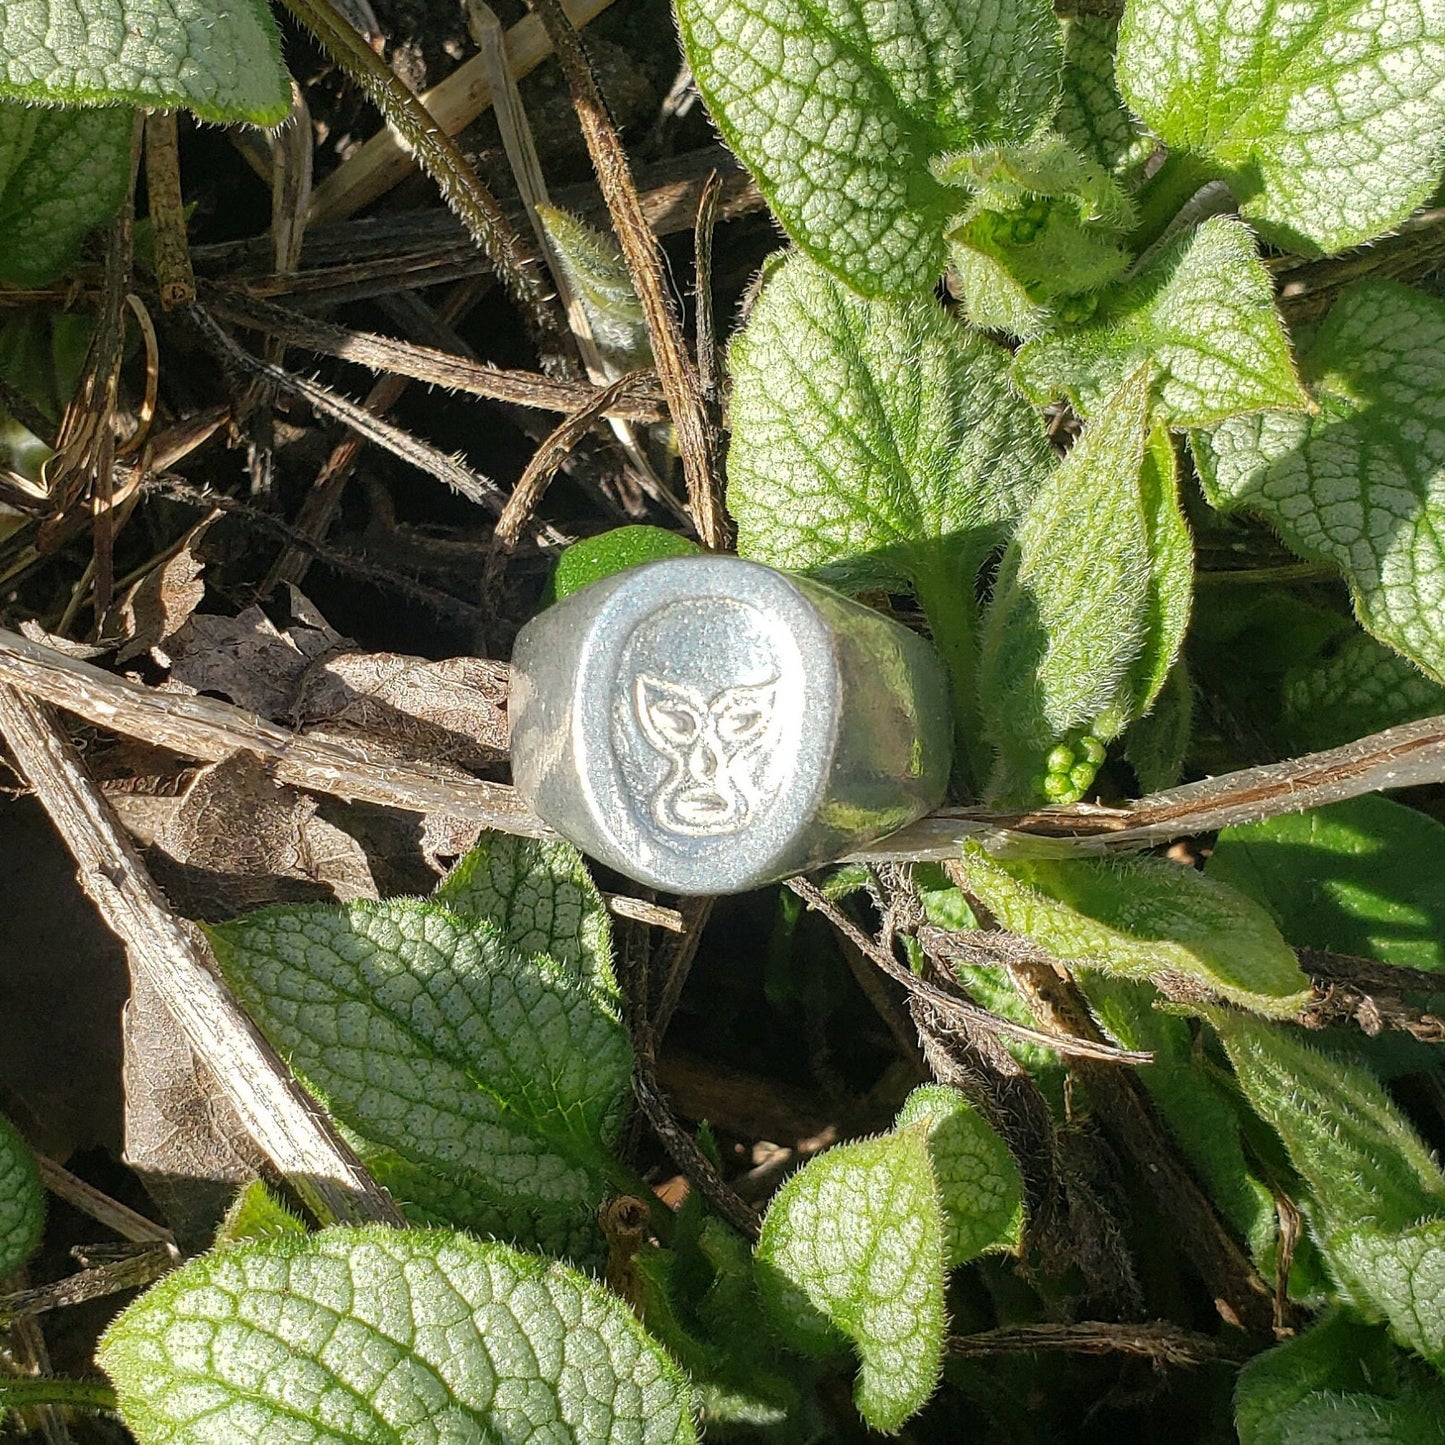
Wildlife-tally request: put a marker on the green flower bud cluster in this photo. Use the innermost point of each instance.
(1071, 769)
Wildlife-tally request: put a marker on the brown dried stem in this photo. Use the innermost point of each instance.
(438, 154)
(696, 436)
(173, 958)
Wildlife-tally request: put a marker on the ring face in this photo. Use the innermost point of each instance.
(716, 717)
(706, 724)
(689, 728)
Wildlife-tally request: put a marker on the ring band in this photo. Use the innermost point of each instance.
(708, 725)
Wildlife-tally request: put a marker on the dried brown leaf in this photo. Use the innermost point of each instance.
(448, 711)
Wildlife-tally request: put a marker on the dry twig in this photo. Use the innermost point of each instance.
(288, 1126)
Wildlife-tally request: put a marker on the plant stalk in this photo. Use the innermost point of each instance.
(439, 155)
(1167, 192)
(25, 1392)
(953, 620)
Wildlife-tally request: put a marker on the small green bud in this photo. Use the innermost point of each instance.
(1060, 759)
(1093, 750)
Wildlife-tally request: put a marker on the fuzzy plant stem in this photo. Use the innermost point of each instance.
(24, 1392)
(953, 620)
(1167, 192)
(437, 154)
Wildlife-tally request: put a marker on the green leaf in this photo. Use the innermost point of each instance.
(1362, 486)
(541, 898)
(62, 172)
(878, 444)
(22, 1201)
(222, 61)
(1360, 1156)
(256, 1213)
(592, 262)
(487, 1084)
(1091, 601)
(1200, 1113)
(1336, 1382)
(593, 558)
(853, 1243)
(1157, 744)
(1092, 115)
(1357, 688)
(1400, 1274)
(1203, 312)
(838, 106)
(1362, 877)
(978, 1181)
(388, 1335)
(1326, 119)
(1143, 918)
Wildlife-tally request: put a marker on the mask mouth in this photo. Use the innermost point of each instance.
(706, 808)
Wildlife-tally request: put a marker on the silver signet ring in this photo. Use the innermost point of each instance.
(707, 725)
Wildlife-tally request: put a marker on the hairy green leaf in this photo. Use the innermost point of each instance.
(1092, 115)
(542, 899)
(62, 172)
(594, 267)
(486, 1085)
(1361, 877)
(222, 61)
(878, 444)
(978, 1181)
(1336, 1382)
(384, 1335)
(1360, 1156)
(853, 1245)
(1362, 486)
(1199, 1110)
(1326, 119)
(1358, 687)
(1144, 918)
(1203, 312)
(592, 558)
(256, 1213)
(1090, 604)
(837, 107)
(22, 1201)
(1157, 744)
(1400, 1275)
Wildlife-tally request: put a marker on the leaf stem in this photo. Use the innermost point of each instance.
(1166, 193)
(953, 620)
(23, 1392)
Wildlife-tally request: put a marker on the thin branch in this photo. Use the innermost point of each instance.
(174, 959)
(468, 483)
(208, 729)
(532, 485)
(1400, 757)
(437, 154)
(952, 1004)
(133, 1270)
(452, 104)
(685, 1153)
(640, 402)
(174, 276)
(101, 1207)
(696, 437)
(1164, 1343)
